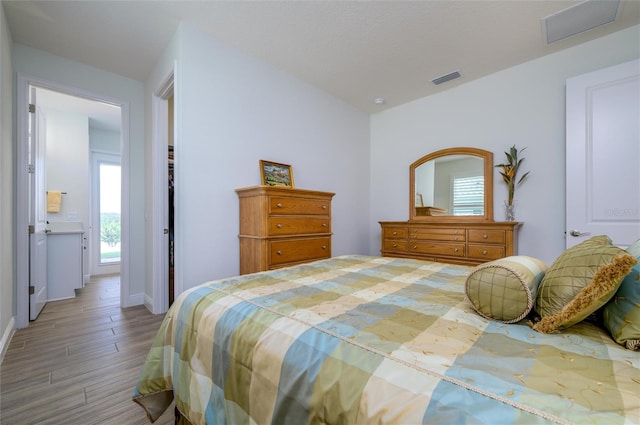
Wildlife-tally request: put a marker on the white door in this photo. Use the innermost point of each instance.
(602, 155)
(37, 210)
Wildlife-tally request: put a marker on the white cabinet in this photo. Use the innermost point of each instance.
(64, 264)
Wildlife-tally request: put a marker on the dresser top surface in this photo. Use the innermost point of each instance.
(449, 224)
(280, 190)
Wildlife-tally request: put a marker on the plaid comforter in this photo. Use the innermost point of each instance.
(357, 339)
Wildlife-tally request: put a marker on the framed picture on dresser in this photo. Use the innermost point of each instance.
(276, 174)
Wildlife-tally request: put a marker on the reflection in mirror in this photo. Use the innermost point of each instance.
(452, 184)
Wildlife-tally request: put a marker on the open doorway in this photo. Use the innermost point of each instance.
(170, 201)
(165, 233)
(81, 123)
(83, 159)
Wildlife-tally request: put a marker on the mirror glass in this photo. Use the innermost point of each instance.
(452, 184)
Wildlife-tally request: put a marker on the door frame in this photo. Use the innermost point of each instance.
(160, 218)
(22, 199)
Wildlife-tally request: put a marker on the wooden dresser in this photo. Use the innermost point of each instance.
(281, 227)
(461, 242)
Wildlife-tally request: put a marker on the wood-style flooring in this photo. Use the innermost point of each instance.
(78, 363)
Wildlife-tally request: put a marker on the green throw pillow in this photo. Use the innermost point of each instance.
(505, 289)
(579, 282)
(622, 313)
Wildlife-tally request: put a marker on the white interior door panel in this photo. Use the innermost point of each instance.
(603, 153)
(37, 211)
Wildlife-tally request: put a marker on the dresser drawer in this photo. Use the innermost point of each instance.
(394, 233)
(298, 225)
(486, 252)
(457, 242)
(396, 246)
(446, 234)
(486, 236)
(284, 205)
(436, 248)
(296, 250)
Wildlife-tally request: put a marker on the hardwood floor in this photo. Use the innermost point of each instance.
(79, 361)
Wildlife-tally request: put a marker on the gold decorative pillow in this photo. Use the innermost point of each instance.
(579, 282)
(505, 289)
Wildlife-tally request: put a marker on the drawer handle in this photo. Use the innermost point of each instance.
(395, 245)
(415, 246)
(485, 236)
(324, 247)
(456, 249)
(484, 252)
(395, 233)
(324, 207)
(279, 226)
(279, 205)
(324, 224)
(279, 252)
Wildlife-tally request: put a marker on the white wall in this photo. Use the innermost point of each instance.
(233, 110)
(104, 140)
(67, 162)
(7, 232)
(45, 66)
(523, 105)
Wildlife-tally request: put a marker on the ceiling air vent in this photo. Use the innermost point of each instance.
(451, 76)
(579, 18)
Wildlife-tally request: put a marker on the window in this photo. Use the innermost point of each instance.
(109, 205)
(105, 240)
(468, 195)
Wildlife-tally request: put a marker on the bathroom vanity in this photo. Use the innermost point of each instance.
(64, 259)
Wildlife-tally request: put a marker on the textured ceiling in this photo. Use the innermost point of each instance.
(356, 50)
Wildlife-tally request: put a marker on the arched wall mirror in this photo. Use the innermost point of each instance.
(454, 184)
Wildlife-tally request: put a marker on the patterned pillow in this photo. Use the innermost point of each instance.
(579, 282)
(622, 313)
(505, 289)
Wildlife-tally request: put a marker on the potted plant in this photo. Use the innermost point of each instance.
(509, 173)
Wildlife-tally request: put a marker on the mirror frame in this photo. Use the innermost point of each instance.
(486, 156)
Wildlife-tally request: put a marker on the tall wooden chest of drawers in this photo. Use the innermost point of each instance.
(282, 226)
(460, 242)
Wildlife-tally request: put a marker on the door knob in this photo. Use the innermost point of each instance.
(578, 233)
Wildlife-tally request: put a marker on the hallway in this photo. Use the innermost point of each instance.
(79, 361)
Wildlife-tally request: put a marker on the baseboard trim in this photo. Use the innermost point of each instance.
(148, 302)
(135, 299)
(6, 337)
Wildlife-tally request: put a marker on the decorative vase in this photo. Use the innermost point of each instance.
(510, 211)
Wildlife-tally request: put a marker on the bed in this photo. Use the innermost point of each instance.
(359, 339)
